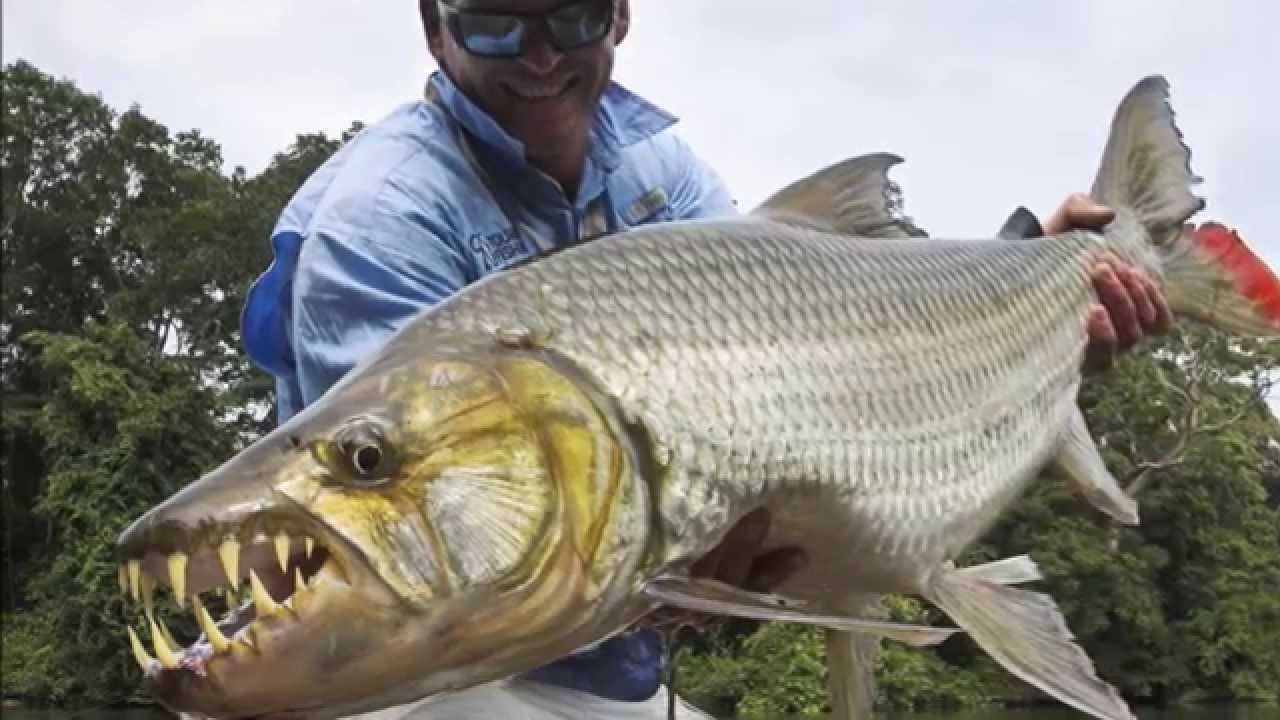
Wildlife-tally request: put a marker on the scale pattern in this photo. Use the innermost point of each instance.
(919, 384)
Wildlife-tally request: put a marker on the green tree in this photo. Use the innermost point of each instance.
(127, 254)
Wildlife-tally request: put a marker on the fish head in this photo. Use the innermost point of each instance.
(435, 521)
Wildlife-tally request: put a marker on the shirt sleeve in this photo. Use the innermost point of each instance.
(697, 191)
(357, 283)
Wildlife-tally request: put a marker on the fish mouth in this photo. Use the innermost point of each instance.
(279, 590)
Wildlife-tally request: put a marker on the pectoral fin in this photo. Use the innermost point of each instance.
(851, 662)
(1081, 463)
(710, 596)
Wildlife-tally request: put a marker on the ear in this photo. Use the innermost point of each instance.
(435, 44)
(621, 21)
(432, 28)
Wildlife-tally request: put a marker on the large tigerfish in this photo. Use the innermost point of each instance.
(533, 464)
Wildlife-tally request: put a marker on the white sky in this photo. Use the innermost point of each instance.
(992, 103)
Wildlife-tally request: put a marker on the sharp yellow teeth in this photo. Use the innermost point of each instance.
(210, 628)
(299, 582)
(261, 598)
(139, 652)
(310, 545)
(167, 657)
(282, 551)
(135, 572)
(229, 554)
(122, 575)
(164, 629)
(178, 576)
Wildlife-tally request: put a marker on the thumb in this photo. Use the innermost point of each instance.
(1079, 212)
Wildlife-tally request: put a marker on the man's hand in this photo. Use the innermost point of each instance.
(1130, 306)
(739, 561)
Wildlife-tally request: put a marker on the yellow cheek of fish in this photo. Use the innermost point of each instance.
(584, 457)
(517, 434)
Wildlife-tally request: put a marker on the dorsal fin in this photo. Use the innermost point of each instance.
(853, 197)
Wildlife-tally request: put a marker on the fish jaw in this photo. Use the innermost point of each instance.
(436, 521)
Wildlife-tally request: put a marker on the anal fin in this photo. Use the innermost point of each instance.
(1080, 462)
(1026, 633)
(711, 596)
(1009, 571)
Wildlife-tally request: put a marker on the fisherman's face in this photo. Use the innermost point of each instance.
(545, 96)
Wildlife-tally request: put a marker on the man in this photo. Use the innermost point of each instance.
(522, 144)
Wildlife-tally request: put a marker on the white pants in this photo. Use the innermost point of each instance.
(524, 700)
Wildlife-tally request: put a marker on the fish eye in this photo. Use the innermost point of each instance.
(366, 452)
(366, 459)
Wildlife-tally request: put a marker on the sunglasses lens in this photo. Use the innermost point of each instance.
(495, 35)
(581, 23)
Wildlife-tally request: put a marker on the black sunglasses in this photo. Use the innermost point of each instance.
(574, 24)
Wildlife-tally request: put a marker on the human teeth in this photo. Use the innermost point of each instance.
(310, 545)
(537, 92)
(210, 628)
(229, 554)
(139, 652)
(178, 577)
(135, 571)
(261, 598)
(282, 551)
(167, 657)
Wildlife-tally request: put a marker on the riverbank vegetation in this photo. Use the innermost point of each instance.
(127, 251)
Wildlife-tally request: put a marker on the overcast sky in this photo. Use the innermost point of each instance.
(992, 103)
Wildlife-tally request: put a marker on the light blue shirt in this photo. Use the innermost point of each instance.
(408, 212)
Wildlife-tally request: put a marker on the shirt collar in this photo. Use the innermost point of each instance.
(622, 118)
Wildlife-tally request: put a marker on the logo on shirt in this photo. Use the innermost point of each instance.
(497, 249)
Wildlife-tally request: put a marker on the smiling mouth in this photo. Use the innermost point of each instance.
(533, 91)
(278, 589)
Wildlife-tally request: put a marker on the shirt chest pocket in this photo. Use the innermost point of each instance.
(652, 206)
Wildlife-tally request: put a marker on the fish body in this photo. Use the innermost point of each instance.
(533, 464)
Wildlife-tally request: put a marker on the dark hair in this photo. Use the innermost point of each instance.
(430, 13)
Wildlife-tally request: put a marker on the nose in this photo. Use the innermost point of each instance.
(540, 56)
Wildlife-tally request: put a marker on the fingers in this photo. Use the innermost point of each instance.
(1078, 212)
(1101, 350)
(1163, 322)
(1120, 307)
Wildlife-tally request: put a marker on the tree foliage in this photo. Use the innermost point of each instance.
(127, 251)
(126, 256)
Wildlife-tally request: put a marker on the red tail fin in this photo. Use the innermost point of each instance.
(1213, 276)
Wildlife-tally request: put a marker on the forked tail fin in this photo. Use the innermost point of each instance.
(1146, 168)
(1145, 175)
